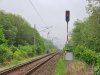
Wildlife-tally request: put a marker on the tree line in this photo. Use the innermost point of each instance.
(19, 40)
(85, 38)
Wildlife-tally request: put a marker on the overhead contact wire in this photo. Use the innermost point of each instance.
(37, 11)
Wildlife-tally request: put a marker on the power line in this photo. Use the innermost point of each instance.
(37, 11)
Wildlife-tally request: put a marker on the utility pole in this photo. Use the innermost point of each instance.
(67, 20)
(48, 34)
(34, 35)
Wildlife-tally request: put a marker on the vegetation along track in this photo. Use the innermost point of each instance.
(29, 67)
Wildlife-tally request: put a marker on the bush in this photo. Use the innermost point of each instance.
(88, 56)
(13, 49)
(85, 54)
(5, 54)
(17, 55)
(97, 66)
(78, 51)
(23, 52)
(27, 50)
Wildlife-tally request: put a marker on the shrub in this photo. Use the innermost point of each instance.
(88, 56)
(13, 49)
(17, 55)
(85, 54)
(27, 50)
(97, 66)
(78, 51)
(5, 54)
(23, 52)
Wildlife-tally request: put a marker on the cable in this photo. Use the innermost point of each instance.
(37, 12)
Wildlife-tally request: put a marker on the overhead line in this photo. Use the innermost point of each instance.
(36, 11)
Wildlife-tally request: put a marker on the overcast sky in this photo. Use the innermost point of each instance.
(52, 13)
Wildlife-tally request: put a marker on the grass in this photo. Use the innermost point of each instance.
(60, 67)
(79, 68)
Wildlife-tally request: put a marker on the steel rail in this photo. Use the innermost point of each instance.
(39, 65)
(4, 72)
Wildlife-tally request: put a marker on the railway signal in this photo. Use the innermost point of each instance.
(69, 54)
(67, 16)
(67, 20)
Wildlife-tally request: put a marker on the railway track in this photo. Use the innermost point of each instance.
(29, 67)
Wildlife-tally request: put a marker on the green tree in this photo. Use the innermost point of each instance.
(2, 38)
